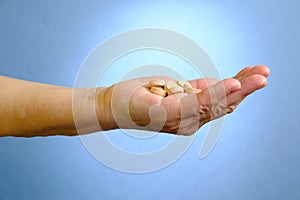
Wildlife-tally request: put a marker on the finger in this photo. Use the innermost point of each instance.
(203, 83)
(259, 69)
(249, 85)
(243, 72)
(213, 94)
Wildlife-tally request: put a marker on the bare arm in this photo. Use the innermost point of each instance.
(30, 109)
(34, 109)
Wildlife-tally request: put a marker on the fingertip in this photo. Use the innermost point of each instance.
(264, 81)
(263, 70)
(260, 81)
(237, 83)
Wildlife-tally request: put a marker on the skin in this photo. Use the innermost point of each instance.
(30, 109)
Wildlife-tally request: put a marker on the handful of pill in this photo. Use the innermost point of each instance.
(163, 88)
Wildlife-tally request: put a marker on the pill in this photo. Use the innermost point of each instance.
(175, 89)
(196, 90)
(191, 90)
(157, 82)
(184, 83)
(163, 88)
(159, 91)
(169, 85)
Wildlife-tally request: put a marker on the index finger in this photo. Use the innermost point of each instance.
(203, 83)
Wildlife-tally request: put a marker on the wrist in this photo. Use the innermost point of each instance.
(104, 108)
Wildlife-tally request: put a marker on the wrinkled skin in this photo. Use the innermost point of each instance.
(133, 106)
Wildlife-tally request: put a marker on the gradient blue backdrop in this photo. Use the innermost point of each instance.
(257, 156)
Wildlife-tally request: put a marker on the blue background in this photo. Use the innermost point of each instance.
(257, 156)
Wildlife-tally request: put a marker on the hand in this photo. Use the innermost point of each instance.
(133, 106)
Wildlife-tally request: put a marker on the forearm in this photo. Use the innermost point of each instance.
(32, 109)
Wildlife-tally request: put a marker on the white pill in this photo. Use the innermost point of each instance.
(184, 83)
(191, 90)
(157, 82)
(159, 91)
(196, 90)
(169, 85)
(175, 89)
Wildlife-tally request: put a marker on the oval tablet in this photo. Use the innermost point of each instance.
(169, 85)
(184, 83)
(176, 89)
(159, 91)
(157, 82)
(191, 90)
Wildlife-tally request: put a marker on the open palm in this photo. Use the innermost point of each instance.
(135, 107)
